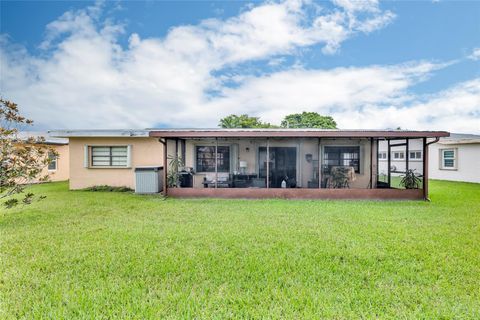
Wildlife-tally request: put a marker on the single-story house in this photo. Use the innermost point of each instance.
(455, 158)
(58, 169)
(248, 163)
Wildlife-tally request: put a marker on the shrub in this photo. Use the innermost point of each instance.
(106, 188)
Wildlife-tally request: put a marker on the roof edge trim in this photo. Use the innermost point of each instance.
(100, 133)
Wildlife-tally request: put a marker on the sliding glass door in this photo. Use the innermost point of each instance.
(282, 166)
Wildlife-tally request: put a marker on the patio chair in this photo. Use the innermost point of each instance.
(340, 177)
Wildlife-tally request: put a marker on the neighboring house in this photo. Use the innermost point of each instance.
(58, 169)
(246, 163)
(455, 158)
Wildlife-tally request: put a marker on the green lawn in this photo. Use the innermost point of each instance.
(94, 255)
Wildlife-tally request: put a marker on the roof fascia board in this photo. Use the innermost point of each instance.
(99, 133)
(296, 134)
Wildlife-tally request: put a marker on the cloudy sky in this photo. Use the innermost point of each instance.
(409, 64)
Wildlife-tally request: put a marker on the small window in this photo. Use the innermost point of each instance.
(398, 155)
(109, 156)
(206, 159)
(52, 166)
(382, 155)
(341, 156)
(415, 155)
(449, 159)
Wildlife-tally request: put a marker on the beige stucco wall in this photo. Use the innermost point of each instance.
(248, 151)
(145, 152)
(149, 152)
(63, 168)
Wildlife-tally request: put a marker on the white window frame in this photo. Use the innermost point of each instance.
(442, 159)
(415, 158)
(399, 152)
(88, 157)
(384, 157)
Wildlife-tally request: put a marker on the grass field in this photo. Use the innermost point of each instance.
(95, 255)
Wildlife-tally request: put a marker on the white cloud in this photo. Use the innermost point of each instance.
(375, 22)
(475, 54)
(368, 97)
(456, 109)
(87, 80)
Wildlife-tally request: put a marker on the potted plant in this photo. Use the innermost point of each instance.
(410, 180)
(173, 175)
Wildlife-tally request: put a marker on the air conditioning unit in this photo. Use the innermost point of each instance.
(148, 179)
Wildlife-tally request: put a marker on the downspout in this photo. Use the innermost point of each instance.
(434, 141)
(425, 166)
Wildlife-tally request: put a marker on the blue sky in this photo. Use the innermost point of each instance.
(177, 64)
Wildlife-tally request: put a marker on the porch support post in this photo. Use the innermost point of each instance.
(165, 167)
(176, 157)
(216, 162)
(183, 150)
(389, 164)
(371, 163)
(268, 164)
(406, 154)
(319, 164)
(425, 169)
(378, 163)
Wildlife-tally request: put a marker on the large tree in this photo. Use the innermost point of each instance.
(308, 120)
(243, 121)
(22, 160)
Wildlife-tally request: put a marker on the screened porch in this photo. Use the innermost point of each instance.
(295, 167)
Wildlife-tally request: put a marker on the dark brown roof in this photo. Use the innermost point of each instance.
(292, 133)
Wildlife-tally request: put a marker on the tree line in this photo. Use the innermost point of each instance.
(293, 121)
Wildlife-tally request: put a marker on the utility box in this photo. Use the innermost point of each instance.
(148, 179)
